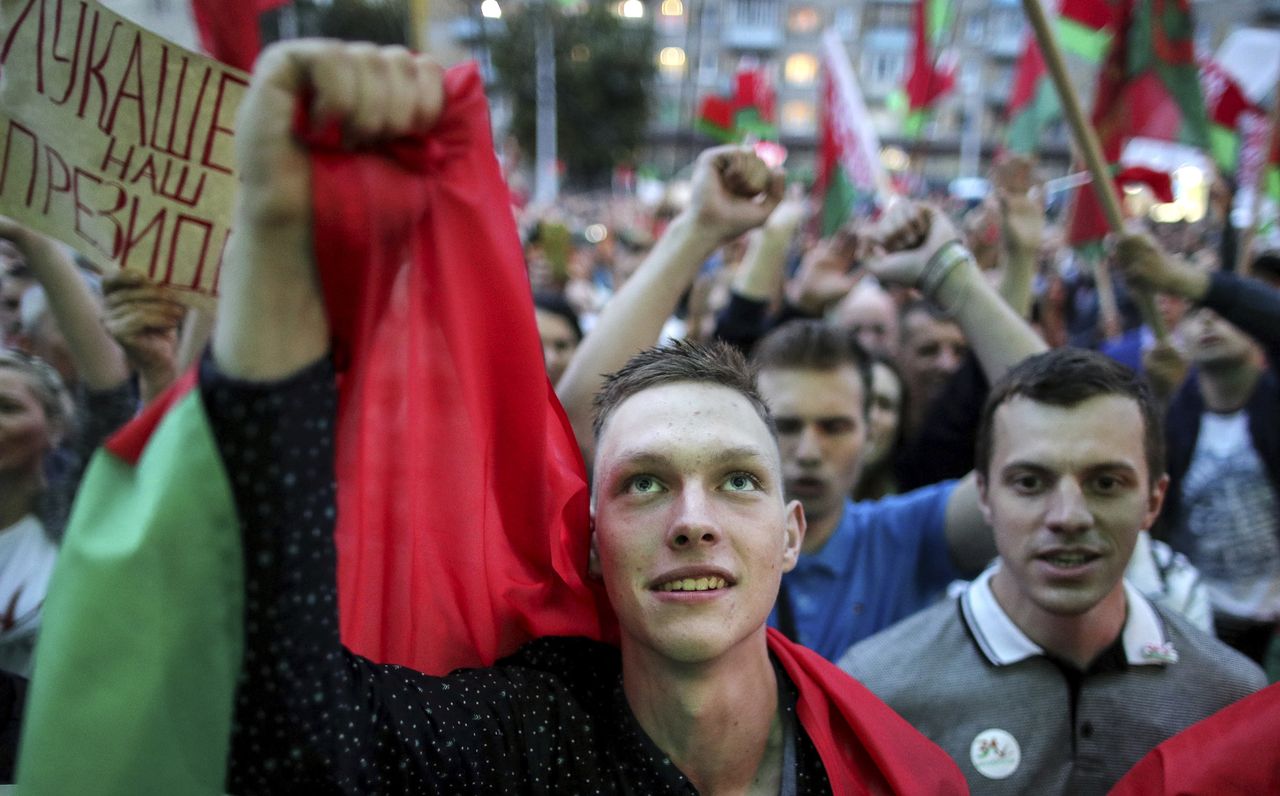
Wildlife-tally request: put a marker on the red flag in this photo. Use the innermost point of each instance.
(749, 112)
(927, 81)
(1232, 751)
(462, 497)
(1149, 87)
(229, 31)
(1226, 104)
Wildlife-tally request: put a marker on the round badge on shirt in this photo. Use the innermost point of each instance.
(995, 753)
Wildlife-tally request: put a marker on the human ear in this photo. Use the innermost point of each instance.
(1155, 499)
(793, 535)
(980, 483)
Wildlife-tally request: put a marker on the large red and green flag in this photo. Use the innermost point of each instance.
(848, 167)
(748, 112)
(231, 31)
(1226, 105)
(1083, 29)
(929, 79)
(1149, 87)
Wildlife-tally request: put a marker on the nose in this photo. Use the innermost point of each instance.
(948, 359)
(1068, 510)
(694, 523)
(808, 449)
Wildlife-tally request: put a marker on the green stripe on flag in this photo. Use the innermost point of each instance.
(1025, 129)
(135, 676)
(913, 124)
(1224, 145)
(837, 202)
(938, 23)
(1088, 43)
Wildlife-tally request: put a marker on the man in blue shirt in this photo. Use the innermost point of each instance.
(864, 566)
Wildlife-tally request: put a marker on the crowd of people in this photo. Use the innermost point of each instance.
(1045, 535)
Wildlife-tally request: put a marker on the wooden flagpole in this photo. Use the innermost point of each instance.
(1087, 139)
(419, 19)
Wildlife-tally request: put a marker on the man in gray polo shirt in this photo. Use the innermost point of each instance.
(1050, 674)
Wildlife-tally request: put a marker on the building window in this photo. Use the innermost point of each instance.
(800, 69)
(797, 116)
(894, 16)
(671, 63)
(756, 13)
(803, 19)
(884, 69)
(975, 27)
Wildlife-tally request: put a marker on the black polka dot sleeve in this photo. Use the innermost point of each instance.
(310, 717)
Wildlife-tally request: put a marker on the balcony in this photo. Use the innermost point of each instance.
(753, 25)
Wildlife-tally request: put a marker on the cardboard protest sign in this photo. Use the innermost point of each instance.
(116, 141)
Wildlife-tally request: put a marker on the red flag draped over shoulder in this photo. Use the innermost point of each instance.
(1232, 751)
(462, 502)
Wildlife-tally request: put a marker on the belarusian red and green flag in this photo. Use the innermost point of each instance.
(928, 80)
(1150, 88)
(848, 167)
(749, 112)
(1084, 29)
(1226, 104)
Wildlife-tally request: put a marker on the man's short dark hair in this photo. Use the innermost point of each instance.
(924, 307)
(1066, 377)
(1267, 265)
(681, 361)
(557, 304)
(814, 345)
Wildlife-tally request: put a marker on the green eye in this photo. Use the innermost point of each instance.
(741, 482)
(644, 484)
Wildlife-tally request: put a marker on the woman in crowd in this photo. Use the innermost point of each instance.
(36, 413)
(884, 431)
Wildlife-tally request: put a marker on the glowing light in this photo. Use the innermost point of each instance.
(671, 57)
(894, 158)
(595, 233)
(632, 9)
(672, 8)
(490, 9)
(800, 69)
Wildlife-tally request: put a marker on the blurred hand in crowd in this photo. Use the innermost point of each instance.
(1148, 267)
(909, 234)
(733, 191)
(144, 317)
(1165, 369)
(1021, 202)
(827, 272)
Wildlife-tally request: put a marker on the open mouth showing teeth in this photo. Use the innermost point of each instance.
(694, 584)
(1069, 559)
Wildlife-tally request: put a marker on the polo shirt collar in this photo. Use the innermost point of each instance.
(1003, 643)
(834, 556)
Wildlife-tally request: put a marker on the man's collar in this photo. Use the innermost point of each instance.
(834, 555)
(1003, 643)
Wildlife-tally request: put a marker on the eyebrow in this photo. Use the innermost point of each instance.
(646, 457)
(1038, 467)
